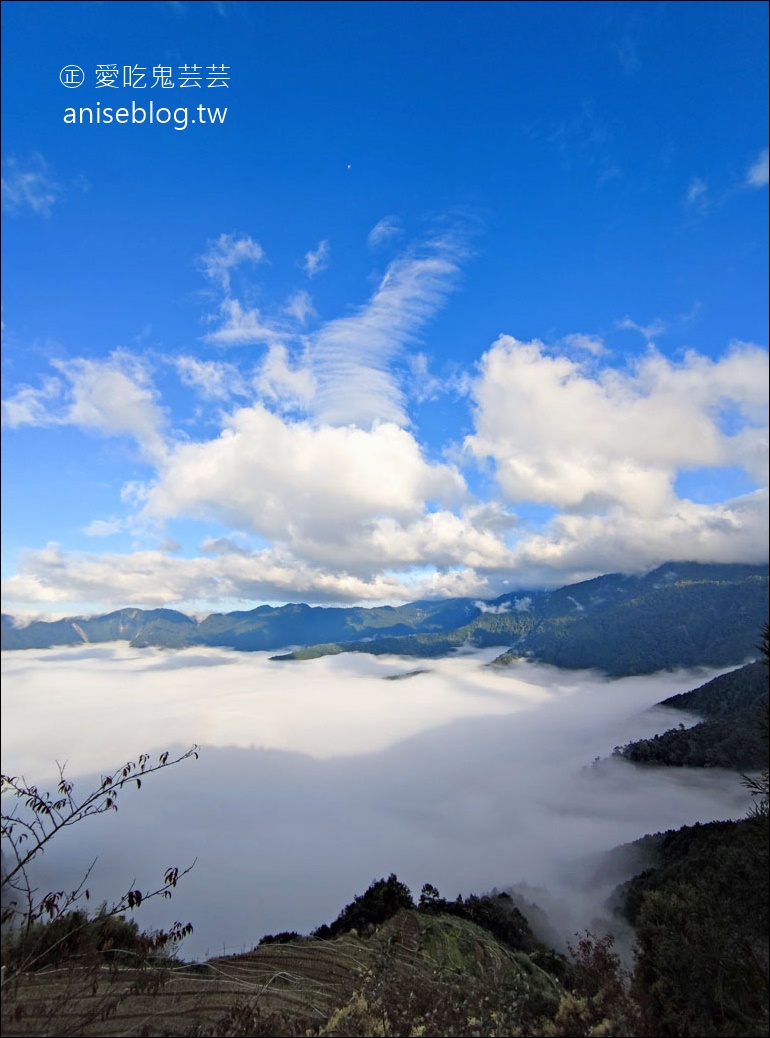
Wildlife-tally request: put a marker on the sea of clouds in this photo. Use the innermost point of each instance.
(316, 778)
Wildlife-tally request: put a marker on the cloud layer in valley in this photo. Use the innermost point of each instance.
(316, 778)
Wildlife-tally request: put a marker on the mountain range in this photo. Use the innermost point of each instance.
(680, 614)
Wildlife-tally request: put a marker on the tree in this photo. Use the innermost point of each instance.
(759, 785)
(31, 820)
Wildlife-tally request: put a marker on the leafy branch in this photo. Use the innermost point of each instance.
(35, 818)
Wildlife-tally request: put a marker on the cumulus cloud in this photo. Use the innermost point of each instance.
(587, 442)
(320, 466)
(227, 252)
(296, 480)
(757, 173)
(114, 397)
(605, 449)
(317, 260)
(619, 540)
(59, 580)
(29, 185)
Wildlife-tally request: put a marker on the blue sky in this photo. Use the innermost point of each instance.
(429, 298)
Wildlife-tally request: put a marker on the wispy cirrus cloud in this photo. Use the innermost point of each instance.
(593, 344)
(387, 228)
(240, 326)
(352, 357)
(697, 195)
(649, 331)
(29, 185)
(211, 379)
(758, 173)
(226, 253)
(317, 260)
(104, 527)
(626, 50)
(300, 306)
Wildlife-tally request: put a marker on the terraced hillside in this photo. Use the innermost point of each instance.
(433, 972)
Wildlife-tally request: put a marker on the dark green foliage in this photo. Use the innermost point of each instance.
(759, 785)
(731, 738)
(165, 627)
(499, 915)
(599, 1001)
(285, 937)
(266, 627)
(680, 616)
(726, 695)
(77, 936)
(711, 744)
(701, 920)
(384, 899)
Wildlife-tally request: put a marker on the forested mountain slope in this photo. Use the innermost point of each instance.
(679, 615)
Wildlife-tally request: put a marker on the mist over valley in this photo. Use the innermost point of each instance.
(316, 778)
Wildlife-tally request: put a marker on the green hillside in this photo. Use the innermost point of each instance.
(731, 737)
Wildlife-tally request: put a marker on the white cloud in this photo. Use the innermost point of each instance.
(495, 610)
(31, 185)
(227, 252)
(317, 260)
(104, 527)
(757, 174)
(649, 331)
(560, 436)
(352, 357)
(289, 387)
(697, 196)
(580, 546)
(626, 51)
(30, 406)
(153, 578)
(592, 344)
(295, 482)
(300, 306)
(387, 228)
(240, 327)
(320, 463)
(213, 380)
(114, 397)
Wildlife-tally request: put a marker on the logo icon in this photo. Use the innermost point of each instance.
(72, 76)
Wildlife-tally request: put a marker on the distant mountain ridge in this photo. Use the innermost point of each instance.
(678, 615)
